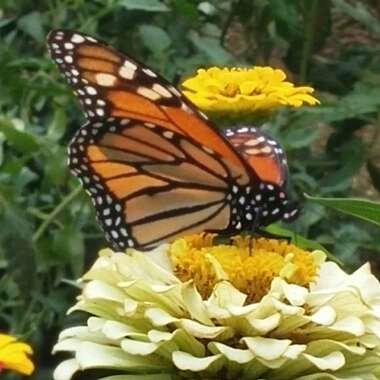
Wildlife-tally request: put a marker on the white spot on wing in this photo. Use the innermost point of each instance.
(104, 79)
(77, 39)
(68, 45)
(91, 90)
(148, 93)
(150, 73)
(127, 71)
(161, 90)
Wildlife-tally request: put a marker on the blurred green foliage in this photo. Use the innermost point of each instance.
(48, 234)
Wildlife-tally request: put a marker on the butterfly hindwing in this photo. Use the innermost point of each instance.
(262, 152)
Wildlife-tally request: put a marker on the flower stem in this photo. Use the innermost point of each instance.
(41, 229)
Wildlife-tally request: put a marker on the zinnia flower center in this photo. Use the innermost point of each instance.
(231, 90)
(249, 264)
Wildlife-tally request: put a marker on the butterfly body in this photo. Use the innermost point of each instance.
(153, 165)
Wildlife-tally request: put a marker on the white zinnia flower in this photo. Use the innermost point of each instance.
(197, 311)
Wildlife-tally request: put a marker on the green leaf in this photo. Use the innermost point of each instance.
(211, 48)
(145, 5)
(300, 137)
(360, 208)
(19, 139)
(351, 162)
(31, 24)
(360, 13)
(286, 17)
(299, 240)
(186, 8)
(154, 38)
(16, 240)
(57, 127)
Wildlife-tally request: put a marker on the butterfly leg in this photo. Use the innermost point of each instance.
(253, 230)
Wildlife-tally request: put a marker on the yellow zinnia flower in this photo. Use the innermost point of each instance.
(15, 355)
(245, 91)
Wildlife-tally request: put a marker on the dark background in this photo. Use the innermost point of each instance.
(48, 234)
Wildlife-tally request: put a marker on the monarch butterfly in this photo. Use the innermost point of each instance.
(154, 166)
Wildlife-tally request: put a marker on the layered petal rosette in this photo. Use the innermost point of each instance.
(181, 312)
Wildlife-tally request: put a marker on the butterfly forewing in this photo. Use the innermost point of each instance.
(110, 84)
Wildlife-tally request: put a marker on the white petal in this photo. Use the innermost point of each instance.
(95, 323)
(194, 304)
(324, 316)
(145, 269)
(225, 295)
(157, 336)
(367, 284)
(69, 345)
(160, 257)
(234, 354)
(183, 340)
(330, 276)
(118, 330)
(373, 325)
(239, 311)
(77, 331)
(295, 294)
(332, 361)
(187, 362)
(267, 348)
(159, 317)
(92, 355)
(206, 332)
(130, 307)
(294, 351)
(287, 309)
(66, 370)
(220, 274)
(352, 325)
(100, 290)
(135, 347)
(263, 326)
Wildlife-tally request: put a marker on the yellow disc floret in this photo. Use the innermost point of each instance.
(249, 264)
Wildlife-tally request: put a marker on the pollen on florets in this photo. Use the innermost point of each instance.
(249, 264)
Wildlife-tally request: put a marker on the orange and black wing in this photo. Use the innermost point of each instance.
(154, 166)
(110, 84)
(263, 153)
(150, 185)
